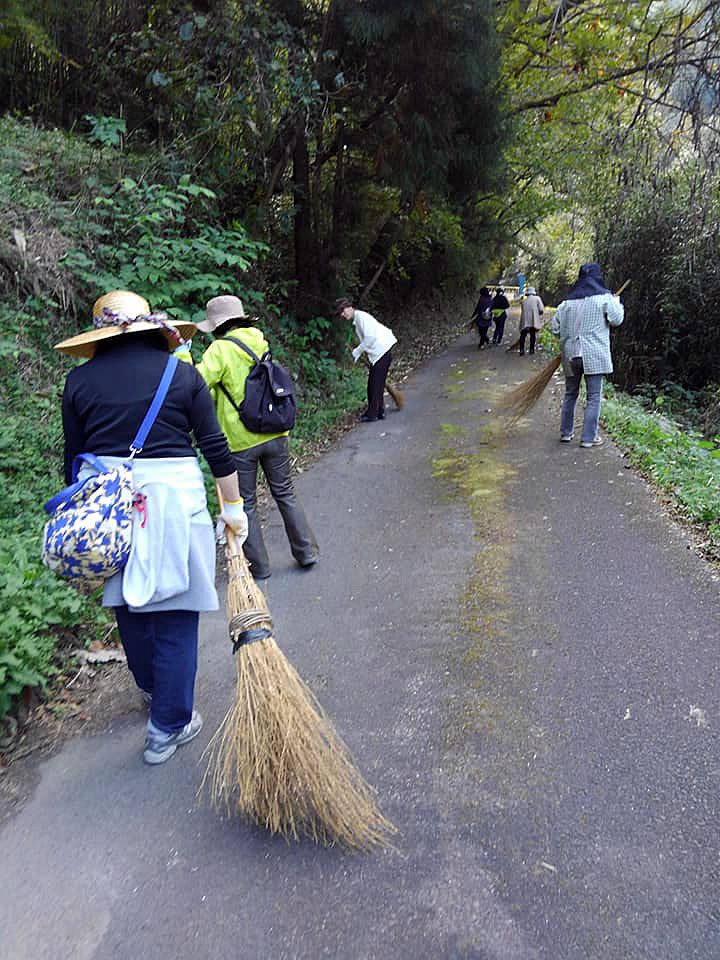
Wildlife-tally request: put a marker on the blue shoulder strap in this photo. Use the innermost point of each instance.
(158, 400)
(135, 447)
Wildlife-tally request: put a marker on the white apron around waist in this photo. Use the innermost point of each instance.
(172, 557)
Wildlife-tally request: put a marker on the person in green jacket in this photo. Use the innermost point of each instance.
(225, 363)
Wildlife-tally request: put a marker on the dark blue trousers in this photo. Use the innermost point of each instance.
(161, 650)
(499, 329)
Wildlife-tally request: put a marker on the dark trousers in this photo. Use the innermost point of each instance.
(499, 329)
(523, 334)
(376, 385)
(483, 331)
(161, 650)
(274, 458)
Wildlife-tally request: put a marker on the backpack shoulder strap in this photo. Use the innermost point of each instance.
(221, 386)
(244, 346)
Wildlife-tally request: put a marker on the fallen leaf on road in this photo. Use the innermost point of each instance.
(100, 656)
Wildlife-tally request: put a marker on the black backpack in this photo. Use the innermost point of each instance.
(269, 404)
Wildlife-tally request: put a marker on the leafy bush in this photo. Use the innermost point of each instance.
(155, 243)
(35, 606)
(663, 235)
(678, 460)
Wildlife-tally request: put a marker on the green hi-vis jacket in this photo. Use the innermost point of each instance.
(226, 363)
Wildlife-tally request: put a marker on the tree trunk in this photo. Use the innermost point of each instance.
(303, 230)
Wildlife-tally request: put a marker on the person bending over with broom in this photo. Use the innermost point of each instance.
(377, 341)
(582, 321)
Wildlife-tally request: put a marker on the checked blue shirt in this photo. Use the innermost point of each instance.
(588, 320)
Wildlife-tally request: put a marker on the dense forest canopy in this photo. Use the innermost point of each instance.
(349, 136)
(403, 147)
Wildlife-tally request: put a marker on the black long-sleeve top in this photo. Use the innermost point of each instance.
(106, 399)
(500, 302)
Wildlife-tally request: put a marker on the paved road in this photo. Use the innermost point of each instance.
(521, 651)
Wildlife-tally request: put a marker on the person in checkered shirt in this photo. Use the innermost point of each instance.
(582, 321)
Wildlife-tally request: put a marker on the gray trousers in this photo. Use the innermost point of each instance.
(274, 458)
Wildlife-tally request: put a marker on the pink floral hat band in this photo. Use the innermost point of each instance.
(113, 318)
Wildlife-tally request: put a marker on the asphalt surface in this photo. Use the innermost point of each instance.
(520, 649)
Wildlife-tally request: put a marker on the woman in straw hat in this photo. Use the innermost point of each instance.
(225, 367)
(169, 577)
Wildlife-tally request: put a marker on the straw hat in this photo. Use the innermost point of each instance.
(221, 309)
(122, 312)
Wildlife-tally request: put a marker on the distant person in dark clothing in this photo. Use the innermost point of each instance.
(500, 305)
(482, 316)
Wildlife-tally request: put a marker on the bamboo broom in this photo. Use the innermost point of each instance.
(275, 757)
(518, 402)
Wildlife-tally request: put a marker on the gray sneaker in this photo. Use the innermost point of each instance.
(160, 746)
(597, 442)
(566, 437)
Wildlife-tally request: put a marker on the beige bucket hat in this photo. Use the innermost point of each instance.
(122, 312)
(221, 309)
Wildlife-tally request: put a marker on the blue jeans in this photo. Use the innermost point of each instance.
(161, 650)
(593, 385)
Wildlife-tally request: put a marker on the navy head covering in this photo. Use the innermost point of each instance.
(588, 284)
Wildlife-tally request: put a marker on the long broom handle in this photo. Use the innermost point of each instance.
(623, 287)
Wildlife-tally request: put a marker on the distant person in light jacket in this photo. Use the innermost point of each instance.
(582, 321)
(531, 318)
(377, 342)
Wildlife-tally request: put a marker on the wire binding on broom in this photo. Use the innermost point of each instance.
(276, 758)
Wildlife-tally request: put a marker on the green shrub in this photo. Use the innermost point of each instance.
(36, 606)
(678, 460)
(160, 242)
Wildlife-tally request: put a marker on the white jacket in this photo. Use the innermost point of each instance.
(375, 339)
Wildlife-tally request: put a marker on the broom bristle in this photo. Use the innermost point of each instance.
(522, 399)
(397, 396)
(276, 757)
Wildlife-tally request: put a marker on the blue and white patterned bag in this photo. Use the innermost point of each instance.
(89, 533)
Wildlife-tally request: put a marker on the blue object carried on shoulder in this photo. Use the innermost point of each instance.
(89, 533)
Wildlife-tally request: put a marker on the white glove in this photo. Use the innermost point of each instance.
(356, 354)
(235, 519)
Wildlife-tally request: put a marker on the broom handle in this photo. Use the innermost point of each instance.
(623, 287)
